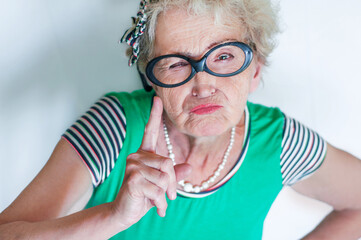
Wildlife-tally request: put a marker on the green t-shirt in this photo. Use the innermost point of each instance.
(236, 211)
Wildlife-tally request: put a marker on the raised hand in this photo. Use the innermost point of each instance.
(148, 176)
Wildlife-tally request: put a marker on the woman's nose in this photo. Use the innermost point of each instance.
(204, 85)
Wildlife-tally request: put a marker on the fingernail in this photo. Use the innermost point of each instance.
(174, 196)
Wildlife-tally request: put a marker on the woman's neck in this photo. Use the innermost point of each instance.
(204, 154)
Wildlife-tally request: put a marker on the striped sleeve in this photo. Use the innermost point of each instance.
(98, 137)
(303, 151)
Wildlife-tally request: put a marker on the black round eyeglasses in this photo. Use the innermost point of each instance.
(224, 60)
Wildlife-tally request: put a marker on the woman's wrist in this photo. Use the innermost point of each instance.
(116, 218)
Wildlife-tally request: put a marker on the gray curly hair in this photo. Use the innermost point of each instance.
(257, 17)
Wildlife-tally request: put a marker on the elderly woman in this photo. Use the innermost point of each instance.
(192, 137)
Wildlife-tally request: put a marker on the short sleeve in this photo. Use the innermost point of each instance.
(303, 151)
(98, 137)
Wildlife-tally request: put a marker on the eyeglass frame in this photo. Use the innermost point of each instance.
(200, 65)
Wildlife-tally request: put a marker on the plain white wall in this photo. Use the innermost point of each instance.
(57, 58)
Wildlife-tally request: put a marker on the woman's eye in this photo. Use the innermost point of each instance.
(178, 64)
(223, 57)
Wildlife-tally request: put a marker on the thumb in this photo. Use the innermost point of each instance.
(182, 171)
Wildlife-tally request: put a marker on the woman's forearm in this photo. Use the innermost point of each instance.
(93, 223)
(345, 224)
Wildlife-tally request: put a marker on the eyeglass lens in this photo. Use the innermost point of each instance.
(224, 60)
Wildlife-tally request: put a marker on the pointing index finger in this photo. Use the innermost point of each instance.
(151, 131)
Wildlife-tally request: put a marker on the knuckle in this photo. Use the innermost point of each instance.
(160, 193)
(134, 177)
(166, 164)
(130, 166)
(164, 179)
(133, 156)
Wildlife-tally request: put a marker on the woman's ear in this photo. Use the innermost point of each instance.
(257, 75)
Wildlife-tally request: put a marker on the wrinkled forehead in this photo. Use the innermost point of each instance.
(181, 32)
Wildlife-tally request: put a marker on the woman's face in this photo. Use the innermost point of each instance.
(206, 105)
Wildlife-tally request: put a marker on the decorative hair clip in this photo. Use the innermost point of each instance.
(131, 36)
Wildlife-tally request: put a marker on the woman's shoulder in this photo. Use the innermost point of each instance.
(136, 104)
(264, 114)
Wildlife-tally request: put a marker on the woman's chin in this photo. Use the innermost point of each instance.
(208, 133)
(208, 128)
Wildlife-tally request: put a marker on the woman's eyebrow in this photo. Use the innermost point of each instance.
(192, 55)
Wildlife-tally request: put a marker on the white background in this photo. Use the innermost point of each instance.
(58, 57)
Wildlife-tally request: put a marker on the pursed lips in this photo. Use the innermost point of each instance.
(205, 108)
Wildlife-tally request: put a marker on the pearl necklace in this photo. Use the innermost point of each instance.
(188, 187)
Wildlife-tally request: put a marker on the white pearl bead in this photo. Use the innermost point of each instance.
(171, 155)
(221, 167)
(181, 182)
(197, 189)
(205, 185)
(216, 173)
(188, 187)
(212, 179)
(170, 147)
